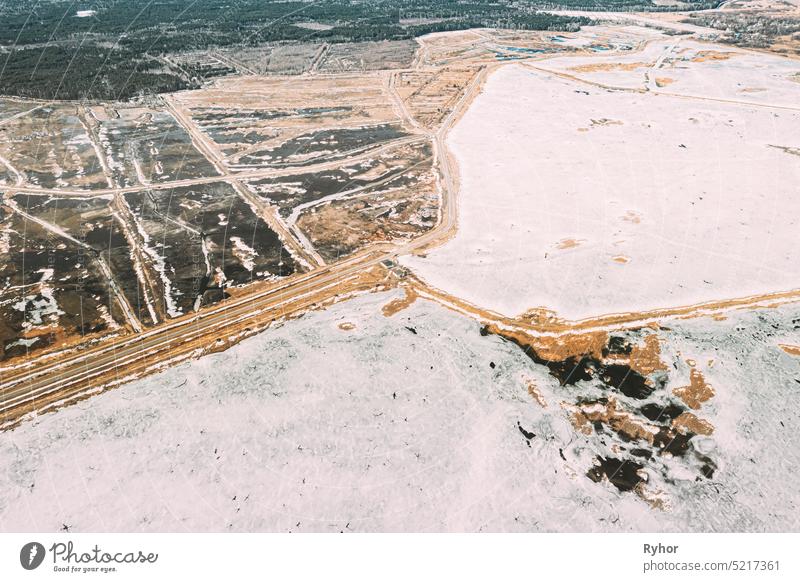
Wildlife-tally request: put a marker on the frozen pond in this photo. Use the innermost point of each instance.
(588, 201)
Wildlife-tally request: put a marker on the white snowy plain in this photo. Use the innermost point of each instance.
(309, 427)
(588, 201)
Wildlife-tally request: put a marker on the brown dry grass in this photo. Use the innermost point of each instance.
(569, 243)
(791, 350)
(542, 320)
(654, 499)
(431, 95)
(584, 415)
(632, 217)
(343, 226)
(688, 422)
(697, 392)
(401, 303)
(364, 96)
(536, 394)
(598, 67)
(712, 55)
(558, 347)
(646, 359)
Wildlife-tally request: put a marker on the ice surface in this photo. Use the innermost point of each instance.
(399, 424)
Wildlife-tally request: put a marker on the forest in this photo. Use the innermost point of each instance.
(115, 49)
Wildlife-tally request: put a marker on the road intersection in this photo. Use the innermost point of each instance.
(76, 374)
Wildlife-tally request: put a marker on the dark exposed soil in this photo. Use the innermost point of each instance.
(37, 306)
(622, 473)
(180, 221)
(617, 418)
(574, 369)
(326, 144)
(288, 192)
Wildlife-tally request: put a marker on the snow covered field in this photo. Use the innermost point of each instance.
(684, 67)
(588, 201)
(402, 423)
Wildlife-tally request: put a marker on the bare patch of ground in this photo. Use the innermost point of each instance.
(400, 209)
(687, 422)
(368, 56)
(432, 94)
(712, 55)
(54, 291)
(535, 393)
(791, 350)
(569, 243)
(259, 122)
(597, 67)
(696, 392)
(401, 303)
(50, 146)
